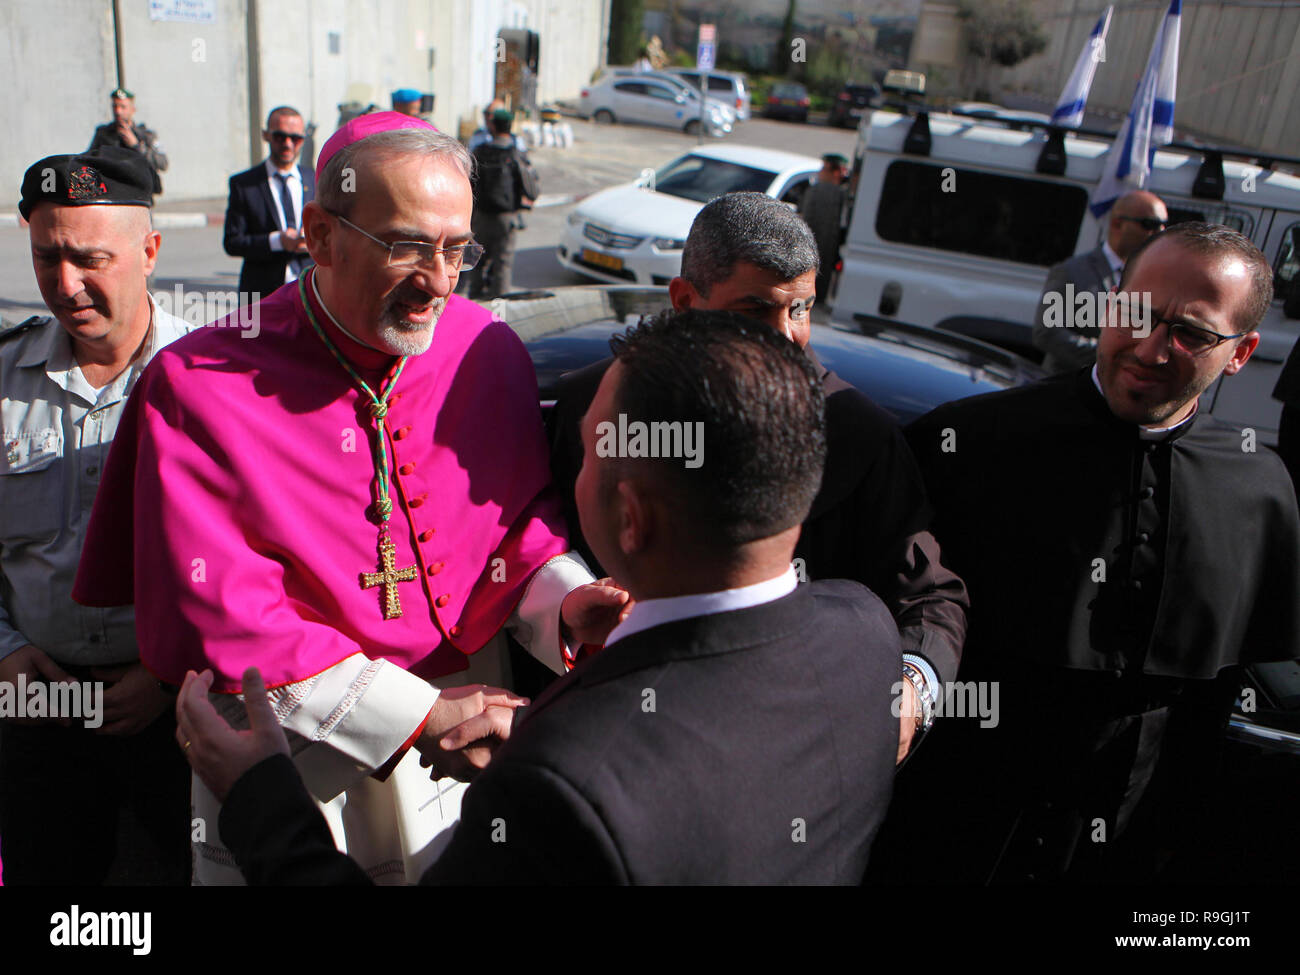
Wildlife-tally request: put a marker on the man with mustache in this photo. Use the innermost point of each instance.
(69, 788)
(1126, 555)
(357, 500)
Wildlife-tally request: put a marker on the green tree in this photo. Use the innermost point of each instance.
(781, 63)
(1002, 32)
(626, 19)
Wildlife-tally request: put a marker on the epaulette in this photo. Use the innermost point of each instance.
(9, 330)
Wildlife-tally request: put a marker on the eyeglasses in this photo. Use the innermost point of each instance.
(414, 253)
(1188, 339)
(1152, 224)
(293, 137)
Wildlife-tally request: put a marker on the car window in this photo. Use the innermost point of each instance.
(1287, 263)
(631, 87)
(1181, 211)
(720, 84)
(661, 91)
(1025, 220)
(700, 179)
(797, 188)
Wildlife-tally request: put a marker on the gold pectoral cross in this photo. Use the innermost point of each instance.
(388, 577)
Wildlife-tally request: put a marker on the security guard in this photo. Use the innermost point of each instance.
(125, 133)
(72, 783)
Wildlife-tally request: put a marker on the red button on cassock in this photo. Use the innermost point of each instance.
(426, 535)
(418, 500)
(406, 468)
(454, 631)
(435, 568)
(401, 432)
(443, 600)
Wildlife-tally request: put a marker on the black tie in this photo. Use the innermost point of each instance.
(298, 262)
(286, 202)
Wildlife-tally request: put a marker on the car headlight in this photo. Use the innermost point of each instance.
(668, 243)
(574, 218)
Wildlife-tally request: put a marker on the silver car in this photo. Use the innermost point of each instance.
(651, 100)
(729, 87)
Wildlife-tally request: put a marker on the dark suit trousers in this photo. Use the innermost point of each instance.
(83, 808)
(491, 276)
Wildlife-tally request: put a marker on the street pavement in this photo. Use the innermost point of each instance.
(600, 156)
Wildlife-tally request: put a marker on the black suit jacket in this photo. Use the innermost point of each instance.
(250, 220)
(753, 746)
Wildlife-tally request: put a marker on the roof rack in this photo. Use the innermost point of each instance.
(1265, 160)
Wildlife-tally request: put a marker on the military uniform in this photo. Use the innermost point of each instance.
(56, 433)
(60, 827)
(146, 144)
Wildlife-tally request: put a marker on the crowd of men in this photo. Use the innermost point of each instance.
(294, 562)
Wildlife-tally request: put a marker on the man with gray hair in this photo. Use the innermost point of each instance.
(752, 254)
(351, 506)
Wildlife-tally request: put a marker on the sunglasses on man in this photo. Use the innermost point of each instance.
(1152, 224)
(293, 137)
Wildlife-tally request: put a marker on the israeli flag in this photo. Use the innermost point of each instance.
(1150, 121)
(1069, 110)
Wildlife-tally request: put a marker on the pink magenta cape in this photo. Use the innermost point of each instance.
(232, 507)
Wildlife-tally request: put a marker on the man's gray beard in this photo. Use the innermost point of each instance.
(402, 338)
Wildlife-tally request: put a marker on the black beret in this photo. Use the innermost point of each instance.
(113, 175)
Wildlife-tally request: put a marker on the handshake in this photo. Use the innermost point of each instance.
(464, 727)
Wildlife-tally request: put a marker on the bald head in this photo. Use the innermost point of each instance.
(1135, 218)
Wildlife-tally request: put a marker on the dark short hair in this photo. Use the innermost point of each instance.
(281, 110)
(1217, 241)
(761, 404)
(751, 227)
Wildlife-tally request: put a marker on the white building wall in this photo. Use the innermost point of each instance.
(192, 80)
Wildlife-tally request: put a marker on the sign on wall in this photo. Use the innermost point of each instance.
(186, 11)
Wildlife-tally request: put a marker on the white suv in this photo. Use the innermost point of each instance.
(953, 222)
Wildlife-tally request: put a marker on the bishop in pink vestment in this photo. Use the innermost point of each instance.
(231, 514)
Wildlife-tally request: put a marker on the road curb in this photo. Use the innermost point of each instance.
(161, 221)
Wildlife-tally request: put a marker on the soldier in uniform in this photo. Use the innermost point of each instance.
(74, 783)
(124, 133)
(821, 207)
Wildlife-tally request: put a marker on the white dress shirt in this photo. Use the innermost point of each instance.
(647, 613)
(1115, 261)
(295, 194)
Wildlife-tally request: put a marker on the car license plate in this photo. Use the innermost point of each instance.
(603, 260)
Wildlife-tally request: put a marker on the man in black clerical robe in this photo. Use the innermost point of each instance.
(1125, 555)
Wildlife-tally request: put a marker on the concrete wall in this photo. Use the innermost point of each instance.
(1238, 72)
(192, 81)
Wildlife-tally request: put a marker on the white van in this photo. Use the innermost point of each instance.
(952, 223)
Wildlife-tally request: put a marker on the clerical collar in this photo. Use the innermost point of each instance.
(646, 613)
(1151, 433)
(339, 325)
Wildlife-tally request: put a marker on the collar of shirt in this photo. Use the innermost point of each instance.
(54, 351)
(1113, 259)
(271, 173)
(1151, 433)
(655, 612)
